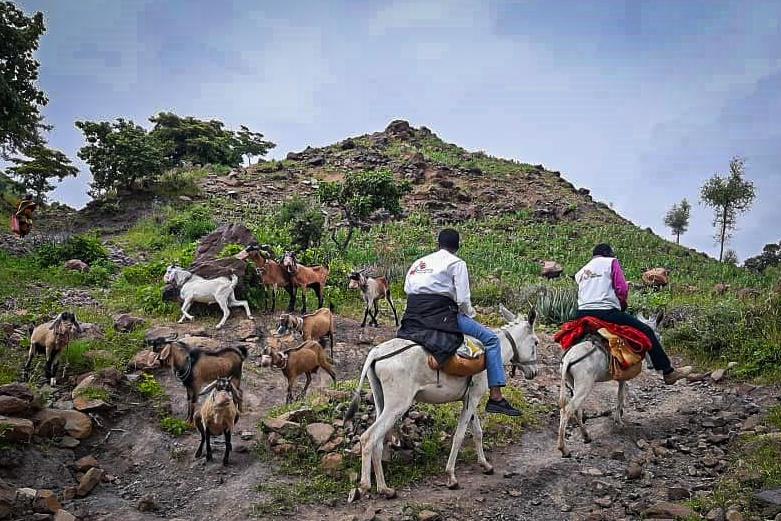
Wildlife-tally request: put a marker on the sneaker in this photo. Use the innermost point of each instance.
(501, 407)
(673, 376)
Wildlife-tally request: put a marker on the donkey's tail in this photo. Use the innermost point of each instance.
(356, 402)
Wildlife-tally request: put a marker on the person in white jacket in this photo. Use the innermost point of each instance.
(442, 273)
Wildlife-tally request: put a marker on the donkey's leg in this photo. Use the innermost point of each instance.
(467, 411)
(564, 415)
(477, 434)
(390, 415)
(582, 388)
(618, 416)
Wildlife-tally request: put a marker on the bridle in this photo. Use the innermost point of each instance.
(516, 359)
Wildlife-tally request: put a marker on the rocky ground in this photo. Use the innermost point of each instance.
(674, 447)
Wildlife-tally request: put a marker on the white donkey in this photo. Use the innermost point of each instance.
(193, 288)
(399, 375)
(583, 365)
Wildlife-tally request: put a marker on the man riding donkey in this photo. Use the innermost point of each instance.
(603, 293)
(22, 219)
(439, 313)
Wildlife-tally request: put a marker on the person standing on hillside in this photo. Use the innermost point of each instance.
(439, 312)
(603, 293)
(24, 216)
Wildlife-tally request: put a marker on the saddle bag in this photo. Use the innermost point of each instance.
(457, 365)
(625, 363)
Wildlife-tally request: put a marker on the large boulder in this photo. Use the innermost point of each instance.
(399, 129)
(551, 269)
(17, 390)
(211, 245)
(11, 405)
(656, 277)
(77, 425)
(125, 322)
(159, 334)
(770, 501)
(16, 429)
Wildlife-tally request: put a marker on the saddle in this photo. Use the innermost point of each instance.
(468, 360)
(625, 364)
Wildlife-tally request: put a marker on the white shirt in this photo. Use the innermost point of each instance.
(595, 285)
(441, 273)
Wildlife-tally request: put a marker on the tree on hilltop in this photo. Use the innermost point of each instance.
(40, 165)
(729, 196)
(677, 219)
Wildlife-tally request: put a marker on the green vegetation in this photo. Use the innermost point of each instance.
(677, 219)
(95, 393)
(41, 165)
(149, 387)
(174, 426)
(303, 220)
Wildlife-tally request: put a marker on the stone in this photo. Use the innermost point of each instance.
(320, 432)
(64, 515)
(16, 429)
(428, 515)
(717, 375)
(85, 463)
(331, 463)
(604, 502)
(715, 514)
(86, 405)
(281, 426)
(90, 380)
(145, 360)
(69, 493)
(551, 269)
(12, 405)
(158, 334)
(68, 442)
(89, 481)
(656, 277)
(76, 265)
(709, 461)
(717, 439)
(720, 288)
(125, 322)
(148, 503)
(211, 245)
(634, 471)
(678, 493)
(770, 501)
(77, 424)
(667, 510)
(7, 499)
(202, 342)
(17, 390)
(734, 515)
(332, 445)
(46, 502)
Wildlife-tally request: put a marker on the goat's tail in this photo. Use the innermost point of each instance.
(356, 402)
(234, 281)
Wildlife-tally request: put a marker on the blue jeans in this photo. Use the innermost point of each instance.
(493, 349)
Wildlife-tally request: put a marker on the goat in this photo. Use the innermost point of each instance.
(193, 288)
(372, 290)
(218, 415)
(305, 359)
(272, 275)
(52, 338)
(195, 367)
(313, 326)
(304, 277)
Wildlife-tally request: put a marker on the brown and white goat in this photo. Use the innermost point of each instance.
(372, 290)
(314, 326)
(305, 359)
(272, 275)
(314, 278)
(195, 367)
(218, 416)
(51, 338)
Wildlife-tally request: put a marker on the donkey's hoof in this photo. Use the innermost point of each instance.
(388, 493)
(488, 470)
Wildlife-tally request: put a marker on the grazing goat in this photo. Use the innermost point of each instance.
(313, 326)
(372, 290)
(305, 359)
(51, 338)
(218, 416)
(196, 367)
(304, 277)
(272, 275)
(193, 288)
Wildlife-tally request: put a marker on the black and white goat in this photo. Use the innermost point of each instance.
(218, 416)
(51, 338)
(372, 290)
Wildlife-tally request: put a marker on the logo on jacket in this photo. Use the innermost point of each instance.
(420, 268)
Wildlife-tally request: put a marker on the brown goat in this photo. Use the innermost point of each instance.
(218, 416)
(272, 275)
(196, 367)
(372, 290)
(305, 359)
(51, 338)
(314, 278)
(313, 326)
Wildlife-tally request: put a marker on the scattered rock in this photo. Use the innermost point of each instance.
(77, 424)
(145, 360)
(87, 405)
(634, 470)
(203, 342)
(17, 390)
(148, 503)
(85, 463)
(46, 502)
(604, 502)
(64, 515)
(125, 322)
(428, 515)
(734, 515)
(89, 481)
(678, 493)
(667, 510)
(656, 277)
(320, 432)
(281, 426)
(16, 429)
(159, 334)
(770, 500)
(551, 269)
(76, 265)
(7, 499)
(331, 463)
(91, 331)
(68, 442)
(717, 375)
(12, 405)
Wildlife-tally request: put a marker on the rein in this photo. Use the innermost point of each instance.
(516, 362)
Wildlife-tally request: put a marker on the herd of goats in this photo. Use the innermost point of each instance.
(398, 371)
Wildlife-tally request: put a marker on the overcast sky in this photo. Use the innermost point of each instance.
(638, 101)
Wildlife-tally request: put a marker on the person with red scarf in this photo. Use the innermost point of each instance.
(603, 293)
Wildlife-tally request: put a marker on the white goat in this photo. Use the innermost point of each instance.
(193, 288)
(372, 290)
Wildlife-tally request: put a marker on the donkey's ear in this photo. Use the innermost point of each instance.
(508, 315)
(532, 316)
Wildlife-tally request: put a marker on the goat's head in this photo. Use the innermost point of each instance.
(222, 391)
(288, 323)
(289, 262)
(171, 274)
(356, 280)
(66, 324)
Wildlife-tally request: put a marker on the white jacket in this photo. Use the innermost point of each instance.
(595, 285)
(441, 273)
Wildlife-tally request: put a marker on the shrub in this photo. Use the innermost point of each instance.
(174, 426)
(192, 224)
(86, 247)
(304, 220)
(230, 250)
(150, 387)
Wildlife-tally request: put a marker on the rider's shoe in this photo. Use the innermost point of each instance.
(501, 407)
(676, 374)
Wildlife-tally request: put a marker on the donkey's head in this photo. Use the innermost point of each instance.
(519, 331)
(654, 323)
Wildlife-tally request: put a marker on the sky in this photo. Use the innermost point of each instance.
(639, 101)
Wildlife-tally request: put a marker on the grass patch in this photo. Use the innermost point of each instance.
(174, 426)
(149, 387)
(95, 393)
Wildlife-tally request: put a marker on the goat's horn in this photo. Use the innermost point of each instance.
(209, 388)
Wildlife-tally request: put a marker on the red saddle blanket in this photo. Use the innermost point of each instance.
(571, 333)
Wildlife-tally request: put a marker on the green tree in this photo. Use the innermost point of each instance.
(677, 219)
(41, 165)
(303, 220)
(188, 139)
(729, 196)
(20, 98)
(770, 256)
(361, 194)
(121, 155)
